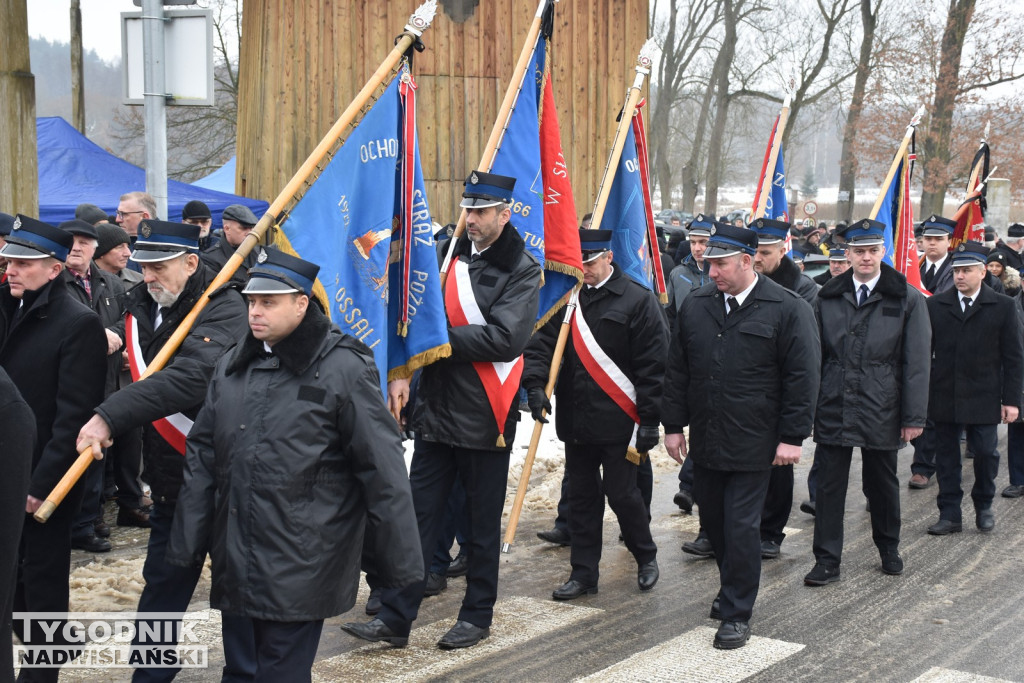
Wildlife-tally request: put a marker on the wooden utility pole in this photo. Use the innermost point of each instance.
(77, 81)
(19, 186)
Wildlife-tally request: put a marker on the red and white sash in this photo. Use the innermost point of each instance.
(174, 428)
(603, 369)
(500, 380)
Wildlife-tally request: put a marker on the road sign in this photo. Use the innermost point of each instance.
(810, 208)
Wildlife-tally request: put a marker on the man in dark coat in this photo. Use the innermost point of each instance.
(491, 298)
(1012, 246)
(743, 373)
(609, 395)
(17, 442)
(165, 403)
(772, 261)
(104, 293)
(977, 363)
(198, 213)
(54, 350)
(688, 276)
(837, 265)
(310, 398)
(874, 334)
(937, 277)
(238, 221)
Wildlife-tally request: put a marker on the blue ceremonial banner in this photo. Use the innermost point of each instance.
(888, 214)
(776, 208)
(346, 223)
(626, 216)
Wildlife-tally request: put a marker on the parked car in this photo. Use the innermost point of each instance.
(738, 213)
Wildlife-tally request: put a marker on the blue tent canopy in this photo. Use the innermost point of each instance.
(222, 180)
(73, 170)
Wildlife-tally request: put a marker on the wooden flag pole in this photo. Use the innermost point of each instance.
(515, 85)
(896, 161)
(538, 426)
(418, 23)
(643, 68)
(773, 157)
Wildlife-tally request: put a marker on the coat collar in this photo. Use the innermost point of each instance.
(297, 351)
(503, 254)
(890, 283)
(788, 274)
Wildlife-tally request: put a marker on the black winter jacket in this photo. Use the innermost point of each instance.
(108, 295)
(289, 457)
(627, 322)
(874, 362)
(181, 385)
(789, 275)
(742, 384)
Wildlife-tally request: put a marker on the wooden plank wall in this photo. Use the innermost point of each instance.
(302, 62)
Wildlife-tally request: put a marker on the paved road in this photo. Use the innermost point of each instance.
(954, 615)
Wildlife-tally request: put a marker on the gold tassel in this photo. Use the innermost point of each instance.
(634, 456)
(403, 328)
(420, 360)
(663, 298)
(501, 441)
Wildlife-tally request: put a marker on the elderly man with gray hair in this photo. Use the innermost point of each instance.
(1012, 246)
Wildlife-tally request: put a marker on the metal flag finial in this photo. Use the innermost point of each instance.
(421, 18)
(918, 116)
(988, 129)
(645, 60)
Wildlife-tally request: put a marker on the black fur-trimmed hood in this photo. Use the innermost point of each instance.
(890, 283)
(788, 274)
(504, 253)
(297, 351)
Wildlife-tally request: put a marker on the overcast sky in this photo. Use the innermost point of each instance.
(101, 23)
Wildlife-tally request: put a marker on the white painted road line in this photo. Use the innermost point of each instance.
(939, 675)
(691, 657)
(516, 621)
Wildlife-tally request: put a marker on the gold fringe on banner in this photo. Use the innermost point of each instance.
(635, 456)
(420, 360)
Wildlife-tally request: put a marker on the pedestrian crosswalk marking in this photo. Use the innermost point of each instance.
(940, 675)
(691, 657)
(516, 621)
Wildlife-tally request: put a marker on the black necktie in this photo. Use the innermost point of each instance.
(863, 295)
(731, 305)
(967, 303)
(929, 276)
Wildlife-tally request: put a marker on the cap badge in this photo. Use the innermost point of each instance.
(760, 223)
(713, 230)
(931, 219)
(962, 247)
(699, 218)
(473, 178)
(262, 258)
(865, 225)
(17, 223)
(145, 230)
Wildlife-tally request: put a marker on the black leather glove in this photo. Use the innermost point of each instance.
(538, 402)
(647, 438)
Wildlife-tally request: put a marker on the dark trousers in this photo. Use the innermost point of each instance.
(778, 503)
(484, 475)
(813, 476)
(562, 519)
(44, 564)
(285, 650)
(92, 502)
(587, 491)
(730, 506)
(453, 528)
(169, 588)
(880, 485)
(924, 452)
(981, 440)
(644, 482)
(125, 458)
(686, 476)
(1015, 452)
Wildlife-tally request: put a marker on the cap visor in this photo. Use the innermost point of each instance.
(699, 232)
(721, 252)
(478, 203)
(592, 256)
(936, 232)
(866, 242)
(767, 240)
(966, 261)
(12, 250)
(266, 285)
(153, 255)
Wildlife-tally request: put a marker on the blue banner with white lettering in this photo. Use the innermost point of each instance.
(888, 213)
(626, 216)
(349, 222)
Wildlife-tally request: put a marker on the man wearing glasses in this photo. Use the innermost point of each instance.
(132, 208)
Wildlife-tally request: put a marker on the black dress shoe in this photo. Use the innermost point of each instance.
(809, 507)
(716, 609)
(944, 526)
(985, 520)
(892, 563)
(435, 584)
(101, 528)
(556, 536)
(684, 499)
(373, 603)
(1013, 491)
(732, 634)
(91, 543)
(770, 550)
(463, 634)
(821, 575)
(375, 631)
(573, 589)
(459, 566)
(647, 575)
(701, 547)
(133, 517)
